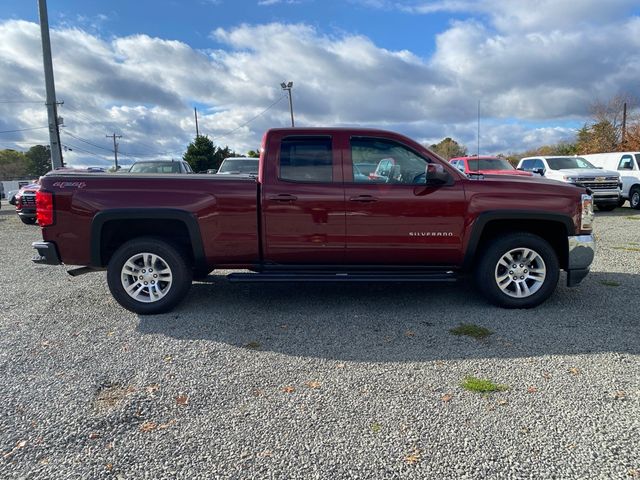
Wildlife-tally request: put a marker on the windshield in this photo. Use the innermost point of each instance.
(561, 163)
(489, 164)
(155, 167)
(239, 165)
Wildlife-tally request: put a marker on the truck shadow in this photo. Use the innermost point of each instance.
(405, 322)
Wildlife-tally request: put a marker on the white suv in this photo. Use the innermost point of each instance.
(605, 184)
(628, 165)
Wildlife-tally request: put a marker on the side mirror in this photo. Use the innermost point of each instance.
(539, 171)
(435, 174)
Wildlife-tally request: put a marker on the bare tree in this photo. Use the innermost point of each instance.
(604, 132)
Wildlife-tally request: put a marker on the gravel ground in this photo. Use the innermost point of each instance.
(318, 381)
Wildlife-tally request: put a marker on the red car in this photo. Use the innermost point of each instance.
(487, 166)
(26, 203)
(312, 215)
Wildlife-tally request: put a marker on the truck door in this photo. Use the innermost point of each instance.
(303, 200)
(401, 221)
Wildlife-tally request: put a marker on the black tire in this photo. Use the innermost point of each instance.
(174, 259)
(634, 198)
(606, 208)
(28, 220)
(621, 202)
(486, 270)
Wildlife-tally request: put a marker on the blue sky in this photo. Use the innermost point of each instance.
(414, 66)
(192, 21)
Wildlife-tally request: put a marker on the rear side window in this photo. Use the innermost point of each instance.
(306, 159)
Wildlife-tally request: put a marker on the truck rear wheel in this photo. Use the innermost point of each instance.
(518, 270)
(148, 276)
(28, 220)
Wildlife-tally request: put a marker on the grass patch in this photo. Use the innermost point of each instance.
(376, 427)
(633, 218)
(609, 283)
(252, 345)
(628, 249)
(471, 330)
(481, 385)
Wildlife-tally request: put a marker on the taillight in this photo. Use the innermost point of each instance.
(44, 208)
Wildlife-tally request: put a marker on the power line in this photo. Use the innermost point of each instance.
(67, 132)
(43, 102)
(22, 129)
(75, 147)
(250, 120)
(113, 126)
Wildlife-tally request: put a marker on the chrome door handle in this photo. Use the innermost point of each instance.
(364, 198)
(283, 197)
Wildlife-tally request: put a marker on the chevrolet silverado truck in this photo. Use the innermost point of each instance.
(26, 203)
(605, 185)
(308, 217)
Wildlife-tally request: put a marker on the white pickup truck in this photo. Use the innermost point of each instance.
(628, 165)
(605, 184)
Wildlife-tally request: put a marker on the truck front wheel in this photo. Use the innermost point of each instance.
(518, 270)
(148, 276)
(634, 198)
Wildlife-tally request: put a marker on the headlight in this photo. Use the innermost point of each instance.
(586, 219)
(571, 179)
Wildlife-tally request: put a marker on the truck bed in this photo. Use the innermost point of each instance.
(225, 209)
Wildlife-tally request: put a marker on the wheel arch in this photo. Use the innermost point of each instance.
(112, 228)
(553, 227)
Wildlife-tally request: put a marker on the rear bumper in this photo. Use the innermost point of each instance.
(582, 249)
(46, 253)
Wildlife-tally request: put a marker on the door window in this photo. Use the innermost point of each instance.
(396, 164)
(306, 159)
(626, 163)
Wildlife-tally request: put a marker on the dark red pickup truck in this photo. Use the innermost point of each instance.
(312, 215)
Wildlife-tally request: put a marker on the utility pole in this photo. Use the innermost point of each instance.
(52, 105)
(288, 86)
(478, 151)
(195, 112)
(624, 122)
(115, 147)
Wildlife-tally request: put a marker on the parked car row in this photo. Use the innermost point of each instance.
(613, 178)
(628, 164)
(229, 166)
(605, 185)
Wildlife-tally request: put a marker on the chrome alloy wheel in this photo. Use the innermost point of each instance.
(146, 277)
(520, 272)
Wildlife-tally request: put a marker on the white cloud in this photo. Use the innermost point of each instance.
(145, 87)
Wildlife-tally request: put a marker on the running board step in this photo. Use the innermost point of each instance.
(342, 277)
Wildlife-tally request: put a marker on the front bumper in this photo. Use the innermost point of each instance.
(47, 253)
(581, 252)
(27, 212)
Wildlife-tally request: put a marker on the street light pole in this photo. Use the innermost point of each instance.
(288, 86)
